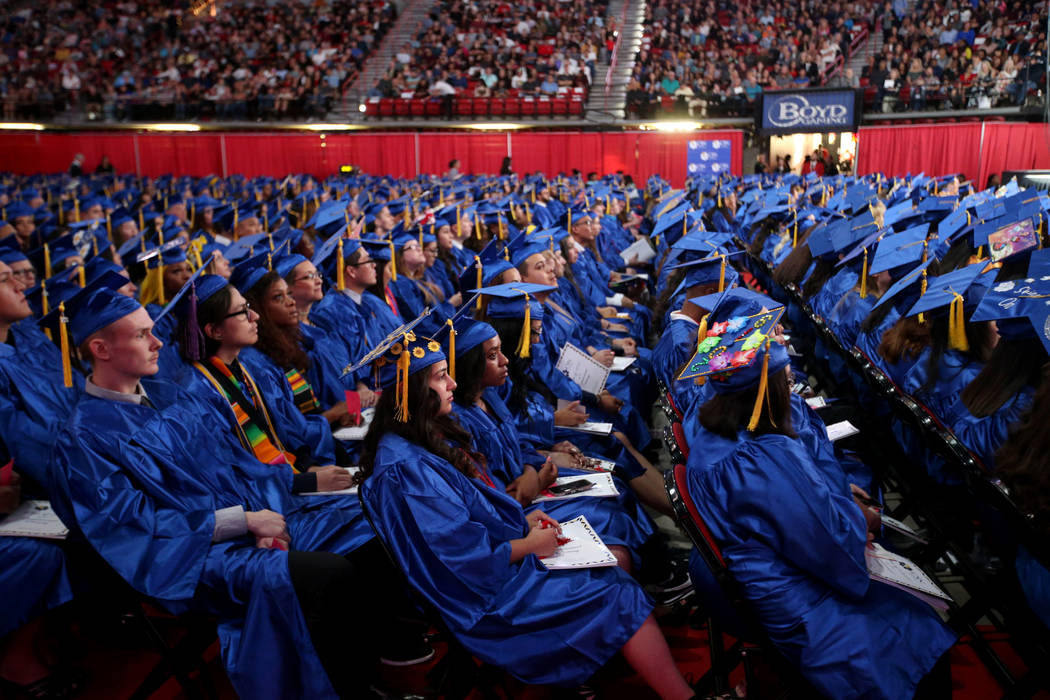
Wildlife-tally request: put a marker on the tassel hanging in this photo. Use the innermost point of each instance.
(81, 276)
(235, 217)
(63, 333)
(459, 223)
(722, 276)
(957, 325)
(568, 220)
(47, 260)
(109, 229)
(451, 349)
(685, 225)
(340, 265)
(142, 223)
(76, 209)
(794, 236)
(922, 291)
(763, 383)
(525, 342)
(701, 332)
(401, 400)
(864, 276)
(193, 338)
(393, 262)
(477, 265)
(477, 226)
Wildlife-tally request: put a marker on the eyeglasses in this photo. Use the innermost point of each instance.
(247, 310)
(310, 276)
(370, 261)
(24, 274)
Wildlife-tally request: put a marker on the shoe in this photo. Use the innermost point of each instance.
(407, 652)
(672, 589)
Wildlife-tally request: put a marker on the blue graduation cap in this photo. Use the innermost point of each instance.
(1021, 307)
(247, 273)
(904, 283)
(899, 250)
(953, 293)
(1005, 239)
(97, 306)
(709, 271)
(514, 300)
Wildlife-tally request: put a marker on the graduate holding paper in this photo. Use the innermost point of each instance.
(471, 551)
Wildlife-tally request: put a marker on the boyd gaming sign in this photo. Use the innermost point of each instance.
(800, 111)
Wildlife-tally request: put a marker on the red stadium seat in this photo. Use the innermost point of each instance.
(512, 107)
(481, 107)
(403, 108)
(386, 107)
(497, 106)
(528, 107)
(372, 107)
(463, 107)
(418, 106)
(433, 108)
(543, 107)
(576, 106)
(559, 107)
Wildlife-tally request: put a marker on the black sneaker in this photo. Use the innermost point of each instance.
(672, 589)
(407, 652)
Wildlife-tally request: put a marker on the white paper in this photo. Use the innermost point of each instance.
(585, 550)
(352, 491)
(603, 487)
(816, 402)
(843, 429)
(898, 526)
(640, 249)
(900, 572)
(583, 369)
(591, 427)
(622, 363)
(356, 432)
(33, 519)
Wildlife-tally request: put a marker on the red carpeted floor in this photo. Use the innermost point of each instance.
(116, 673)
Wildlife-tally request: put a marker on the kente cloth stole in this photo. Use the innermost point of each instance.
(305, 398)
(254, 427)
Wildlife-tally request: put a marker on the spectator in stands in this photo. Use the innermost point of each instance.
(76, 168)
(442, 90)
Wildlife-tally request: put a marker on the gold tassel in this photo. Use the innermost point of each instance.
(722, 276)
(451, 349)
(142, 222)
(235, 217)
(47, 260)
(794, 237)
(459, 223)
(957, 325)
(864, 277)
(763, 381)
(401, 399)
(922, 292)
(685, 224)
(340, 280)
(81, 276)
(980, 252)
(63, 334)
(393, 262)
(701, 332)
(76, 209)
(526, 331)
(109, 229)
(568, 222)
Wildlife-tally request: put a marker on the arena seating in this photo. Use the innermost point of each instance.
(152, 60)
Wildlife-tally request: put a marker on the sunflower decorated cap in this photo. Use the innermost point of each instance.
(400, 355)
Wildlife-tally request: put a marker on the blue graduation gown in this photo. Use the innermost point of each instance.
(33, 579)
(344, 322)
(143, 485)
(618, 521)
(675, 347)
(451, 536)
(1035, 582)
(985, 435)
(34, 404)
(796, 545)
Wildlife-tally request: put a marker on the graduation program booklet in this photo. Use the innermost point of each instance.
(603, 487)
(583, 369)
(620, 364)
(33, 519)
(842, 429)
(356, 432)
(352, 491)
(584, 549)
(640, 249)
(901, 572)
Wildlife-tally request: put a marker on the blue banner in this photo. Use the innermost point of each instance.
(802, 111)
(709, 157)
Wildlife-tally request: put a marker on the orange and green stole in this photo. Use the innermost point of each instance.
(254, 426)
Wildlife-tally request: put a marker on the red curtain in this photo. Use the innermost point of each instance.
(938, 149)
(400, 154)
(1014, 147)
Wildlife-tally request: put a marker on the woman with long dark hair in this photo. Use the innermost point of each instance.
(795, 538)
(473, 553)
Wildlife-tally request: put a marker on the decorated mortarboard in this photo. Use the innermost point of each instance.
(1005, 238)
(397, 357)
(738, 353)
(1021, 307)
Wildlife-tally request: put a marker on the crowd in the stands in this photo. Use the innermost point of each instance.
(958, 55)
(493, 49)
(712, 58)
(151, 59)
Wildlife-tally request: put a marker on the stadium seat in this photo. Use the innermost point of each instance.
(512, 107)
(559, 107)
(528, 107)
(433, 108)
(403, 108)
(543, 107)
(463, 107)
(576, 106)
(497, 106)
(481, 106)
(386, 107)
(418, 106)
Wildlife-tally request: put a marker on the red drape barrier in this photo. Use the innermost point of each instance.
(937, 149)
(639, 154)
(1014, 147)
